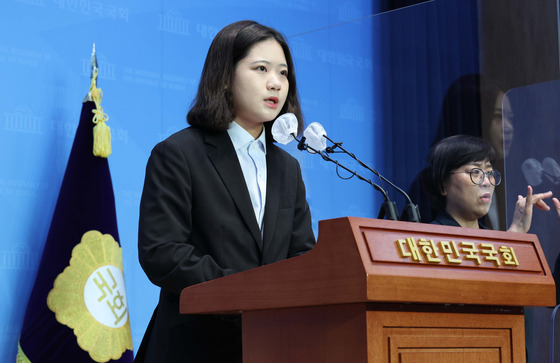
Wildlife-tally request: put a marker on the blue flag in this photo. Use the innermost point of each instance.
(78, 311)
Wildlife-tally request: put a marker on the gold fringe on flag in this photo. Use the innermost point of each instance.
(101, 132)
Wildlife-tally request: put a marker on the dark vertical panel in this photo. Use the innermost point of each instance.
(519, 41)
(424, 49)
(519, 50)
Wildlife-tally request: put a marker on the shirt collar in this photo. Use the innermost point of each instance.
(240, 137)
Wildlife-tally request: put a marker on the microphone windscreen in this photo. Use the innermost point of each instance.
(283, 128)
(532, 170)
(552, 170)
(315, 136)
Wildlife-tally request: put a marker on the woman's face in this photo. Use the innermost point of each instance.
(260, 86)
(501, 128)
(466, 201)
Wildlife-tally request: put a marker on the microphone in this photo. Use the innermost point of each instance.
(285, 128)
(410, 211)
(532, 170)
(551, 169)
(316, 137)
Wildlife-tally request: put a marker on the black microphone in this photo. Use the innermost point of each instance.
(410, 212)
(315, 134)
(301, 143)
(284, 130)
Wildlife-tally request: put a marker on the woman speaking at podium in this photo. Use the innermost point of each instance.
(219, 197)
(460, 182)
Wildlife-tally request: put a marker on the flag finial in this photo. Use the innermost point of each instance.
(101, 132)
(93, 61)
(93, 65)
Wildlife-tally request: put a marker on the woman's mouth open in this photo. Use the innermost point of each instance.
(271, 102)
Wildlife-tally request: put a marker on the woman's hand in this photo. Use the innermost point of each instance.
(556, 205)
(524, 209)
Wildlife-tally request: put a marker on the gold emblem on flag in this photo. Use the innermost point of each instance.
(89, 296)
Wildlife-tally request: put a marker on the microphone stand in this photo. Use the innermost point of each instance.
(388, 208)
(410, 211)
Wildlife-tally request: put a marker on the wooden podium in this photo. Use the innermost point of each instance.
(384, 291)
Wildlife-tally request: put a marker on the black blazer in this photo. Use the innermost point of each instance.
(445, 219)
(197, 224)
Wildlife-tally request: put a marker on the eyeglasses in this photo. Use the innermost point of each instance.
(477, 176)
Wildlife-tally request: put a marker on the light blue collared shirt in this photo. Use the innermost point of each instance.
(252, 157)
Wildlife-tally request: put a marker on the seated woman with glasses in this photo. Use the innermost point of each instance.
(460, 182)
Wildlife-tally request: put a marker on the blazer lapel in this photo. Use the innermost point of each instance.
(273, 183)
(224, 158)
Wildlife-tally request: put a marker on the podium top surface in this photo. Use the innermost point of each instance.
(372, 260)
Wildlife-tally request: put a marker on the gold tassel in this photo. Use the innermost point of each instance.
(101, 132)
(101, 140)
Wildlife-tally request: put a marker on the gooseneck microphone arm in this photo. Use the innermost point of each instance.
(410, 211)
(388, 209)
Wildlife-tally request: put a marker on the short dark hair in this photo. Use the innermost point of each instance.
(213, 107)
(449, 154)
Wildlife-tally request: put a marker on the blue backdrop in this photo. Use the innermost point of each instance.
(150, 55)
(372, 73)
